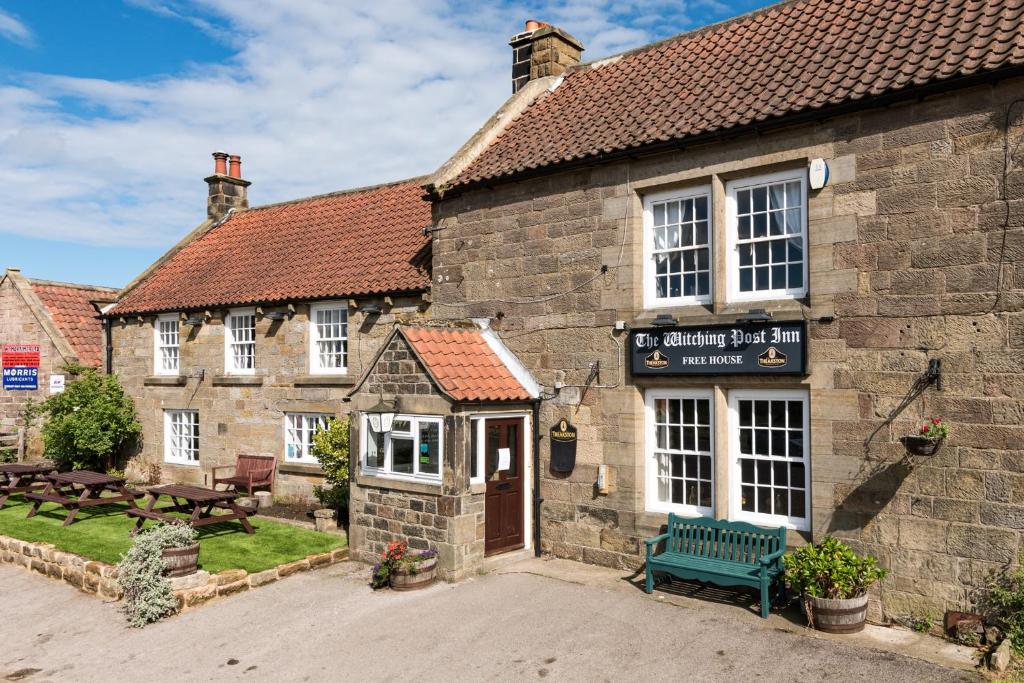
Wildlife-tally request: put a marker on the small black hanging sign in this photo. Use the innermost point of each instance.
(563, 446)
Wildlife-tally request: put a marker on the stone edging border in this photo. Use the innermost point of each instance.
(99, 578)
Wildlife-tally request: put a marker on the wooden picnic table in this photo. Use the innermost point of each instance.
(22, 477)
(76, 490)
(196, 501)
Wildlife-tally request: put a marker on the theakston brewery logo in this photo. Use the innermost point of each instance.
(772, 358)
(563, 431)
(656, 360)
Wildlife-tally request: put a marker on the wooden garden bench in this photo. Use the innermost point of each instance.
(719, 552)
(249, 471)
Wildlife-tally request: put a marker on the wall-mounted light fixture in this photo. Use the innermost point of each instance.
(371, 309)
(382, 415)
(755, 315)
(664, 320)
(195, 320)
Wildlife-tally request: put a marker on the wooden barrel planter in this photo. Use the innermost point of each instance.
(838, 616)
(406, 579)
(181, 561)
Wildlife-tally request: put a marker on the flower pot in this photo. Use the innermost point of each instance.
(418, 575)
(837, 616)
(181, 561)
(922, 445)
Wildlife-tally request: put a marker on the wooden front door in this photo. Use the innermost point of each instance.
(503, 513)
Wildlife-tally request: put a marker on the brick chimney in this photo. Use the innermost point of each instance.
(542, 50)
(227, 189)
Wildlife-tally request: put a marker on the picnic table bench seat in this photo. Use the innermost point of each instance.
(720, 552)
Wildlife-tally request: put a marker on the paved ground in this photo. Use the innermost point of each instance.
(509, 625)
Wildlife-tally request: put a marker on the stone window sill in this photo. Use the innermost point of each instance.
(377, 482)
(300, 468)
(324, 381)
(237, 381)
(165, 381)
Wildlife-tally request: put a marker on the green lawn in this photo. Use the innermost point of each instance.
(101, 533)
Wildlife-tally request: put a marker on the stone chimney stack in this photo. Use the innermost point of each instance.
(542, 50)
(227, 189)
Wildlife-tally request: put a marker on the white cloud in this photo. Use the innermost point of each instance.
(316, 96)
(12, 29)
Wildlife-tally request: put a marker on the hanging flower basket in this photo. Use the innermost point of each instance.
(930, 438)
(923, 445)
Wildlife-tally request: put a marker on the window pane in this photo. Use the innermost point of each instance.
(374, 447)
(430, 455)
(401, 455)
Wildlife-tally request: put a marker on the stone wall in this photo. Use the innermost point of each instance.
(19, 325)
(909, 244)
(241, 414)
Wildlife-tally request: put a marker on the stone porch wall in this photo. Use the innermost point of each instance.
(907, 243)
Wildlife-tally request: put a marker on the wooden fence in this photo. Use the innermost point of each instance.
(13, 441)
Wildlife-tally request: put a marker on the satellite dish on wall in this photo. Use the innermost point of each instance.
(818, 174)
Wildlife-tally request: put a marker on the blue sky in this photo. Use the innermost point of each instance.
(109, 109)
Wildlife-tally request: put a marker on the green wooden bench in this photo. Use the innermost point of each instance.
(719, 552)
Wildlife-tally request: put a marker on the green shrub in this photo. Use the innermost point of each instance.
(147, 592)
(1003, 605)
(331, 449)
(87, 424)
(831, 569)
(8, 455)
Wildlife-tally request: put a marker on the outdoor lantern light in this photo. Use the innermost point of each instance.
(382, 415)
(755, 315)
(275, 315)
(194, 321)
(371, 309)
(664, 320)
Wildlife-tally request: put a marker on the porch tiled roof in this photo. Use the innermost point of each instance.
(797, 56)
(464, 364)
(367, 241)
(72, 310)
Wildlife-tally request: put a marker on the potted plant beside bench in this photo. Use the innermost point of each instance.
(834, 583)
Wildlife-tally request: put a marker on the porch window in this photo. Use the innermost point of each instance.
(240, 342)
(680, 462)
(677, 246)
(411, 450)
(181, 437)
(328, 339)
(766, 227)
(299, 429)
(770, 451)
(165, 345)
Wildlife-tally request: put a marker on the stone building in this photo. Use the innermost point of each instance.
(58, 323)
(247, 335)
(741, 264)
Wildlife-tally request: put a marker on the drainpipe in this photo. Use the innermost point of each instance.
(537, 500)
(110, 346)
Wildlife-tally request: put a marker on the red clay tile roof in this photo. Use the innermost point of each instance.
(792, 57)
(72, 310)
(343, 244)
(464, 364)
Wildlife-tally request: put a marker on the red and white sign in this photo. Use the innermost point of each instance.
(20, 363)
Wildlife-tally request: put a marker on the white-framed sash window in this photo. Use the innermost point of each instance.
(181, 437)
(766, 232)
(677, 247)
(240, 342)
(299, 429)
(166, 345)
(328, 338)
(679, 451)
(411, 450)
(770, 469)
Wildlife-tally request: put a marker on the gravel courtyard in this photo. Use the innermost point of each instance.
(509, 625)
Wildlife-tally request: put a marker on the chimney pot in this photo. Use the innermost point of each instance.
(532, 24)
(220, 160)
(235, 168)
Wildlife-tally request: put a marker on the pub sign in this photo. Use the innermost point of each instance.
(774, 348)
(563, 446)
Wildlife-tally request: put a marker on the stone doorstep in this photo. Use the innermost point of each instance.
(99, 578)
